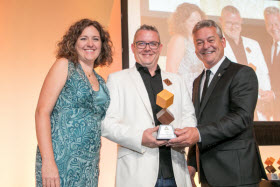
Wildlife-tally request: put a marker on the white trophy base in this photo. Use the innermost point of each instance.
(165, 132)
(272, 176)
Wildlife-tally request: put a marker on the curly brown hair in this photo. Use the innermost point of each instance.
(182, 13)
(66, 47)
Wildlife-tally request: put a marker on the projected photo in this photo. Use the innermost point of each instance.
(251, 29)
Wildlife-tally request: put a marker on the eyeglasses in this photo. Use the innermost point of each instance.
(234, 24)
(142, 45)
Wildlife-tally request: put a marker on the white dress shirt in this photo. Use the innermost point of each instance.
(213, 70)
(273, 49)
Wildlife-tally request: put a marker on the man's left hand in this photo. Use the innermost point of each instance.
(185, 137)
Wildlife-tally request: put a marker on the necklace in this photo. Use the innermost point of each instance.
(90, 79)
(90, 74)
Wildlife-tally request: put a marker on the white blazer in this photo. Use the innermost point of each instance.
(129, 114)
(254, 56)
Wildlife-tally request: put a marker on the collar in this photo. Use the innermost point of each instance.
(230, 40)
(145, 69)
(215, 68)
(278, 43)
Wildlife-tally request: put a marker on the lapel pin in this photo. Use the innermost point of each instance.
(248, 50)
(252, 66)
(167, 82)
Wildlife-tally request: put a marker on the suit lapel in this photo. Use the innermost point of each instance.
(196, 93)
(213, 83)
(141, 89)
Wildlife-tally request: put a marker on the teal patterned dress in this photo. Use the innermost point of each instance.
(76, 130)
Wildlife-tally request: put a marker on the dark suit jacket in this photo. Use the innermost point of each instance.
(229, 155)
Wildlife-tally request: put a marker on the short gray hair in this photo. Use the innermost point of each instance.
(146, 28)
(208, 23)
(271, 10)
(230, 9)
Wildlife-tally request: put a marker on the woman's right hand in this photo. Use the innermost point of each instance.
(50, 175)
(51, 89)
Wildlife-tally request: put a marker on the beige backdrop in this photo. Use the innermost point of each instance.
(29, 31)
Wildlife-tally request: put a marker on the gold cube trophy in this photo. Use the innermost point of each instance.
(165, 117)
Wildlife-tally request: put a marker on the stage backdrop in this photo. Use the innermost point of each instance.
(158, 12)
(251, 26)
(29, 32)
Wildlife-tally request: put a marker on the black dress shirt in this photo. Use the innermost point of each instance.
(153, 86)
(239, 51)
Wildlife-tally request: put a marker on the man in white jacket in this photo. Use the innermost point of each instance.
(247, 51)
(144, 161)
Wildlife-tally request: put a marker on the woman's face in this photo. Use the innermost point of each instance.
(191, 21)
(88, 45)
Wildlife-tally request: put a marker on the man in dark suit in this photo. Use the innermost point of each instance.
(272, 23)
(224, 96)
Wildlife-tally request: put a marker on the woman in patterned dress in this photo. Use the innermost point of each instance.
(181, 57)
(72, 103)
